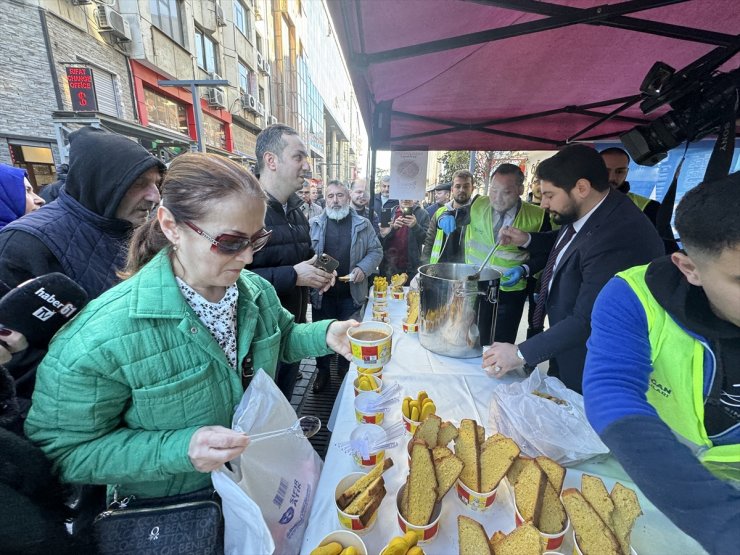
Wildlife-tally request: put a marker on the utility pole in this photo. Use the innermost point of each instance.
(194, 84)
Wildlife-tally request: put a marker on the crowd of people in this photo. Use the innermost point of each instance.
(200, 273)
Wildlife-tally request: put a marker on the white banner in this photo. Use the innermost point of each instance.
(408, 174)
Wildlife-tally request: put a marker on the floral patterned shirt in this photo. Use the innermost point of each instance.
(219, 317)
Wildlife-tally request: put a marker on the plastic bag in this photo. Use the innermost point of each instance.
(245, 531)
(280, 474)
(541, 426)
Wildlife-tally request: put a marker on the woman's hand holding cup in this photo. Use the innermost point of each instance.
(336, 337)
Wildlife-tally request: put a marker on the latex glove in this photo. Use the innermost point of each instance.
(512, 276)
(446, 223)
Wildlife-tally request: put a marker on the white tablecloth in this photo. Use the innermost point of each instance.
(460, 389)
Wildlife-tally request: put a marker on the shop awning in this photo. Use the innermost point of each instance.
(517, 74)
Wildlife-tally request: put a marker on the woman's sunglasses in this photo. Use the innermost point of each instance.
(234, 244)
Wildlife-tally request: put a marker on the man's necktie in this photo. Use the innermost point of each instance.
(538, 319)
(499, 225)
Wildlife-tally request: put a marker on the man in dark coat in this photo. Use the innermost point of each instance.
(287, 260)
(402, 241)
(602, 233)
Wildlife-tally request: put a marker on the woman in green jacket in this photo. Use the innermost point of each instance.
(138, 391)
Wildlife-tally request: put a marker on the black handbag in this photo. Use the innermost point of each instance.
(187, 527)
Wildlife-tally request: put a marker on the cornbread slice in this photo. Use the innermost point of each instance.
(441, 452)
(363, 500)
(515, 469)
(594, 491)
(593, 536)
(626, 510)
(467, 448)
(351, 492)
(405, 498)
(552, 517)
(472, 539)
(448, 470)
(428, 430)
(496, 457)
(528, 491)
(422, 485)
(524, 540)
(447, 432)
(555, 473)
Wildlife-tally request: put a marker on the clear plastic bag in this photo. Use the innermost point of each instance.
(541, 426)
(279, 475)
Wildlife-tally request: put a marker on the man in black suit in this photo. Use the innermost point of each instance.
(602, 233)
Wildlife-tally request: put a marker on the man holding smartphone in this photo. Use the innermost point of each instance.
(403, 239)
(355, 250)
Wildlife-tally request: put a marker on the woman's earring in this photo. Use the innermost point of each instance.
(174, 247)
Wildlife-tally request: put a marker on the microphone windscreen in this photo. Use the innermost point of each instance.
(39, 307)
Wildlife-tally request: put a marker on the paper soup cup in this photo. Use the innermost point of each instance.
(352, 522)
(362, 413)
(474, 500)
(423, 533)
(554, 541)
(577, 550)
(374, 433)
(378, 385)
(409, 424)
(398, 295)
(410, 328)
(371, 344)
(346, 539)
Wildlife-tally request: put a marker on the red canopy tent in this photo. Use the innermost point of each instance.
(518, 74)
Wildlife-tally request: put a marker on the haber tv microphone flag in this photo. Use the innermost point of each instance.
(38, 307)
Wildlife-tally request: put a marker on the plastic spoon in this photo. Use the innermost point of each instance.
(306, 426)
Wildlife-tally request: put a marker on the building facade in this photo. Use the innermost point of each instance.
(69, 63)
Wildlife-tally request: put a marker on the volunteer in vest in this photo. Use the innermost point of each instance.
(138, 391)
(445, 239)
(662, 375)
(617, 162)
(504, 207)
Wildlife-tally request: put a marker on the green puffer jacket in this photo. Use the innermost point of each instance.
(128, 381)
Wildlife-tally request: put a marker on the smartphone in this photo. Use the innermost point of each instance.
(326, 263)
(385, 217)
(407, 210)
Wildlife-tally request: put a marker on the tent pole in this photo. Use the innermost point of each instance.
(371, 203)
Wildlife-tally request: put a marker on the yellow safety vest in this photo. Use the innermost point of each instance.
(479, 237)
(439, 238)
(677, 381)
(640, 201)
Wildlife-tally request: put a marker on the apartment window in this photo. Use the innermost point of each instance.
(205, 51)
(167, 17)
(242, 18)
(247, 78)
(165, 112)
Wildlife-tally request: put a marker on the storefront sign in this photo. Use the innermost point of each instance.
(81, 89)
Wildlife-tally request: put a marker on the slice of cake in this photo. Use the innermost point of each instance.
(516, 467)
(364, 499)
(472, 537)
(593, 536)
(441, 452)
(428, 430)
(496, 457)
(626, 510)
(467, 449)
(447, 432)
(555, 473)
(524, 540)
(529, 490)
(355, 489)
(422, 485)
(448, 470)
(553, 517)
(594, 491)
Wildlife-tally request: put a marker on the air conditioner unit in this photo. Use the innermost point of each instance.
(260, 62)
(249, 102)
(260, 109)
(215, 76)
(272, 120)
(110, 21)
(266, 68)
(216, 97)
(220, 19)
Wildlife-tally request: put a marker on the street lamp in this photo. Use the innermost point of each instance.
(194, 84)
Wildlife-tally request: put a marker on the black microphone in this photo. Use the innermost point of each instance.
(38, 307)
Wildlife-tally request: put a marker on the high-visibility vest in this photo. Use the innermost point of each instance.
(439, 238)
(677, 382)
(640, 201)
(479, 237)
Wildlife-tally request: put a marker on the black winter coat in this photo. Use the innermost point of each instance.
(289, 244)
